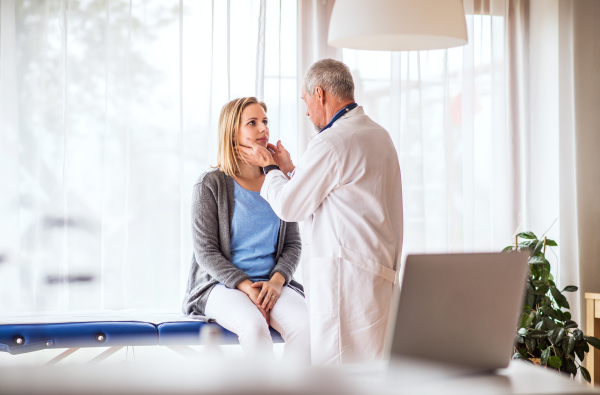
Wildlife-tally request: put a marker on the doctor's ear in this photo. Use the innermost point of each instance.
(320, 94)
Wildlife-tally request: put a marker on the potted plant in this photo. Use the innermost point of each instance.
(546, 332)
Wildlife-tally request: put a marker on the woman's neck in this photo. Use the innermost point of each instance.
(249, 172)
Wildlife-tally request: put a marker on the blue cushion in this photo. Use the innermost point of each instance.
(21, 338)
(188, 333)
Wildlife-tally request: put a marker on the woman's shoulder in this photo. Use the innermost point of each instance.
(211, 179)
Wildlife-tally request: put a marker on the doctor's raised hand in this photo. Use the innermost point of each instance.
(257, 155)
(282, 157)
(254, 154)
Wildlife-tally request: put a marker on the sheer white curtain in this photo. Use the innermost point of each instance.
(501, 135)
(447, 113)
(109, 112)
(109, 108)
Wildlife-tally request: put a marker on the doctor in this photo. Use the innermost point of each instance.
(347, 188)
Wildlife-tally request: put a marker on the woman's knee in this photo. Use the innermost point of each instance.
(254, 327)
(295, 326)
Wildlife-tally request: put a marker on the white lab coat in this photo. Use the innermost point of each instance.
(347, 188)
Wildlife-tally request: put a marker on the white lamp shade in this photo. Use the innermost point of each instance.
(397, 25)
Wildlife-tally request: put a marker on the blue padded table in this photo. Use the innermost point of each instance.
(188, 332)
(25, 333)
(23, 338)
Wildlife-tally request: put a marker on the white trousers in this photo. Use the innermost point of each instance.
(233, 310)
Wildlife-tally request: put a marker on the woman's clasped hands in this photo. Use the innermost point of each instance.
(264, 294)
(269, 291)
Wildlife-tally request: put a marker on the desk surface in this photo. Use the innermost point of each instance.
(220, 376)
(518, 378)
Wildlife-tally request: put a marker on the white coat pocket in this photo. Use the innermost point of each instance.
(370, 265)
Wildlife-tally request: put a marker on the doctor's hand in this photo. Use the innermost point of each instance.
(254, 154)
(270, 291)
(282, 157)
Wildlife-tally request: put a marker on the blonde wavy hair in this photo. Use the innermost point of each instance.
(229, 125)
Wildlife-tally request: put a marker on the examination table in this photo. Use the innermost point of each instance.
(25, 333)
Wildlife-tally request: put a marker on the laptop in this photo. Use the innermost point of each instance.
(453, 314)
(459, 310)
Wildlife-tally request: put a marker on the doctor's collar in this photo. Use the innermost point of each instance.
(339, 114)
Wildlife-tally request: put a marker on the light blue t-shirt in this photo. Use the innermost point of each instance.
(254, 231)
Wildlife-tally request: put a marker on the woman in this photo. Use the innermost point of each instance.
(244, 255)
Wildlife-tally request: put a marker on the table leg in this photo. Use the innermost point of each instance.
(61, 356)
(105, 354)
(185, 351)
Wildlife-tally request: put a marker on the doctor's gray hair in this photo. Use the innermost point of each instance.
(332, 76)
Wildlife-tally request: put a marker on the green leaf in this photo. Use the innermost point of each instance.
(551, 243)
(578, 334)
(542, 290)
(517, 356)
(536, 334)
(524, 317)
(530, 297)
(552, 335)
(566, 315)
(554, 362)
(570, 366)
(520, 339)
(523, 320)
(507, 249)
(542, 344)
(531, 344)
(539, 260)
(560, 336)
(522, 332)
(529, 320)
(570, 324)
(585, 347)
(527, 235)
(545, 273)
(547, 301)
(571, 345)
(559, 352)
(559, 298)
(527, 243)
(565, 344)
(538, 247)
(580, 354)
(592, 341)
(585, 374)
(570, 288)
(549, 312)
(523, 353)
(545, 356)
(550, 324)
(540, 325)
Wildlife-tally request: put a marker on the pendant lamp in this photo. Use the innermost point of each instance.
(397, 25)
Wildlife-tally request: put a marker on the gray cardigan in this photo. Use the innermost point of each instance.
(212, 211)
